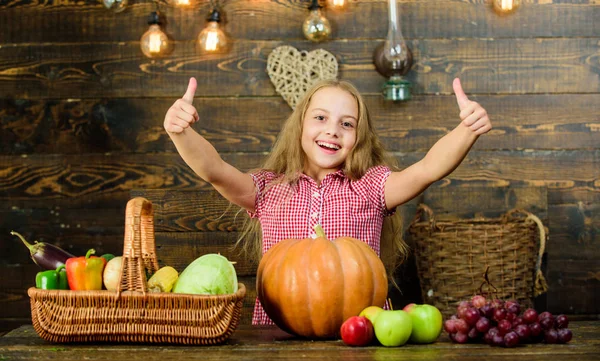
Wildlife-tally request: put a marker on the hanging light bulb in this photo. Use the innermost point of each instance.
(212, 39)
(115, 5)
(393, 58)
(154, 43)
(316, 26)
(506, 6)
(336, 4)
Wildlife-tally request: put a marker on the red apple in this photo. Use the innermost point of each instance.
(426, 323)
(357, 331)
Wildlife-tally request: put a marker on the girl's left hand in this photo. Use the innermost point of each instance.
(472, 115)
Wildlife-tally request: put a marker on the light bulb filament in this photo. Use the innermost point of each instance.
(154, 43)
(338, 3)
(183, 2)
(212, 41)
(507, 5)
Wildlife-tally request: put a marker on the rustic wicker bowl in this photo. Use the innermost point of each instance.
(131, 313)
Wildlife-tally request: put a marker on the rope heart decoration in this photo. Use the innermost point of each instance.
(293, 71)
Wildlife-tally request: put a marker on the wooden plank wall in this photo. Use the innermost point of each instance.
(81, 113)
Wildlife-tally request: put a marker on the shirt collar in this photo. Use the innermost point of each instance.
(337, 174)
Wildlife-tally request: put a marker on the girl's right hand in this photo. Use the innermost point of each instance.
(182, 113)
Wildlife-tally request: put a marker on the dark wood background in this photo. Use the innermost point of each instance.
(81, 113)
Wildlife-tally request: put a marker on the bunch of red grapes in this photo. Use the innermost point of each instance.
(500, 323)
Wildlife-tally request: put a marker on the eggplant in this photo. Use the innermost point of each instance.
(45, 255)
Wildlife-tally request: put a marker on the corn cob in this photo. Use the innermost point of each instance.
(163, 280)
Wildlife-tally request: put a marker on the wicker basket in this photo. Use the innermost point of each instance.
(131, 313)
(455, 257)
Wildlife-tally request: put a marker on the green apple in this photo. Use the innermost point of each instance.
(371, 313)
(426, 323)
(392, 328)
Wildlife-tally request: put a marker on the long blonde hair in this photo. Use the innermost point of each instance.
(287, 158)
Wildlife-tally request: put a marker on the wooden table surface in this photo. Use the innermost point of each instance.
(269, 343)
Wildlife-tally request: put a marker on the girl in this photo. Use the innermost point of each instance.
(327, 167)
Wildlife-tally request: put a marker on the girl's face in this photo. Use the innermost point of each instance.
(329, 131)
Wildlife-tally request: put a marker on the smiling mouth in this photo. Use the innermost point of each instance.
(328, 146)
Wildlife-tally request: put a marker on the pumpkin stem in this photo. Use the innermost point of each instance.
(319, 231)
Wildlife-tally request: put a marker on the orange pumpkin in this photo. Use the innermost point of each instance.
(309, 287)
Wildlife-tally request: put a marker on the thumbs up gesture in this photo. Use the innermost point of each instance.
(182, 113)
(472, 115)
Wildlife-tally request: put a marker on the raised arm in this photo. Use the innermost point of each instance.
(445, 155)
(202, 157)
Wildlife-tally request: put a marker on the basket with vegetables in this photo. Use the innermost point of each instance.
(167, 308)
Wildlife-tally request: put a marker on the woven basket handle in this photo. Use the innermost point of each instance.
(540, 286)
(421, 209)
(139, 251)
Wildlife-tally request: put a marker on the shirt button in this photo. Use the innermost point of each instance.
(315, 215)
(316, 194)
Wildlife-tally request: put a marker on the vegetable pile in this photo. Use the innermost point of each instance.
(210, 274)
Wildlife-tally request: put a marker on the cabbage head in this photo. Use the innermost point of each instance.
(211, 274)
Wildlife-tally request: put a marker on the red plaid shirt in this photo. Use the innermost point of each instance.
(341, 206)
